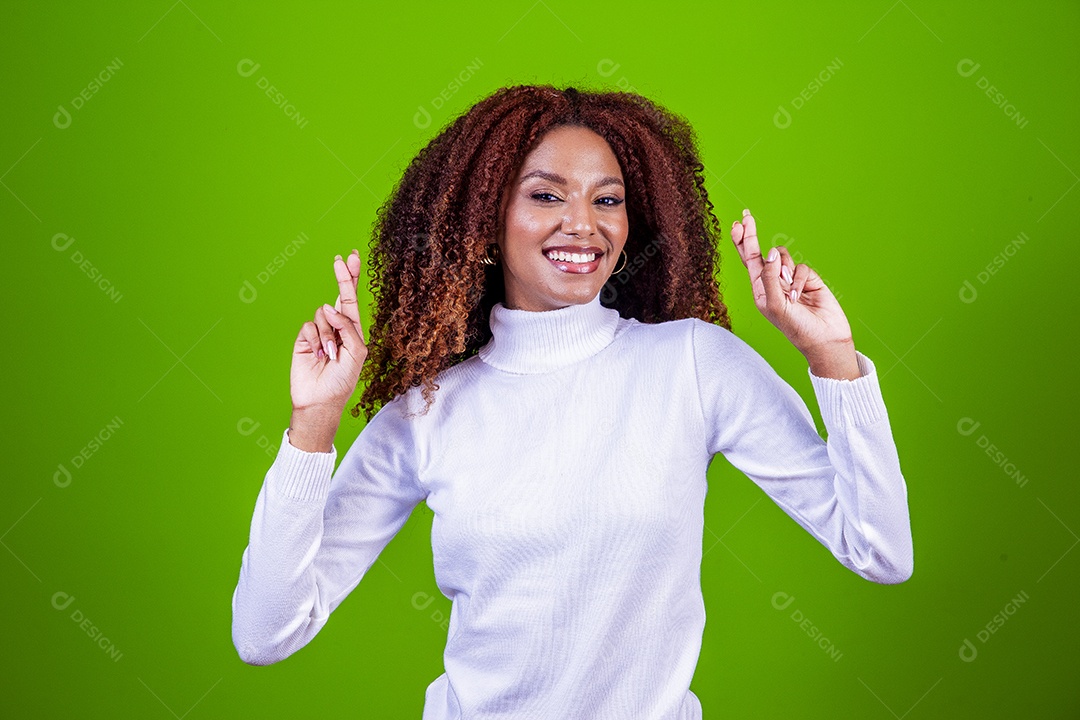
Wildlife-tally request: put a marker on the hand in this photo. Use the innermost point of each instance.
(330, 351)
(812, 321)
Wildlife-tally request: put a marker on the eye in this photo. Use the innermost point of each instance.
(608, 201)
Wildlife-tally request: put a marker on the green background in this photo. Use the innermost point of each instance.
(179, 180)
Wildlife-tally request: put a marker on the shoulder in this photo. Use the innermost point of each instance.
(671, 332)
(707, 354)
(690, 335)
(410, 412)
(722, 358)
(719, 342)
(690, 339)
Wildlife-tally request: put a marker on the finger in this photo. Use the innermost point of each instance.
(798, 282)
(327, 340)
(354, 265)
(809, 279)
(749, 222)
(787, 266)
(744, 235)
(770, 279)
(350, 336)
(307, 341)
(347, 288)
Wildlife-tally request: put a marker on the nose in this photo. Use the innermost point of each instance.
(579, 219)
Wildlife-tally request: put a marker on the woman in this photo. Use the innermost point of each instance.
(562, 443)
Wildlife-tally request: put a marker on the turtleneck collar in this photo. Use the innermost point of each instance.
(528, 342)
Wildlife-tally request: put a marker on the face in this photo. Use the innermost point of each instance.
(569, 195)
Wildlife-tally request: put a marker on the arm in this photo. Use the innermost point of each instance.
(314, 536)
(848, 492)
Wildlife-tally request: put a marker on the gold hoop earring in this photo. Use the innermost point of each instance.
(489, 258)
(616, 272)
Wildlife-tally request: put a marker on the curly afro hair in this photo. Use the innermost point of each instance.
(431, 288)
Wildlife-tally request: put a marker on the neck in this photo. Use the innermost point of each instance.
(538, 341)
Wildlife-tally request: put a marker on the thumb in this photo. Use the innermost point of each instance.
(770, 279)
(349, 337)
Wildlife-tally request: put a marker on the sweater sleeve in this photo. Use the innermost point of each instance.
(848, 491)
(315, 535)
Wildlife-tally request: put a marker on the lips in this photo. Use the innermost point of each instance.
(575, 268)
(582, 250)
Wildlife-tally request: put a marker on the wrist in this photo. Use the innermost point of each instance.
(835, 359)
(325, 410)
(312, 428)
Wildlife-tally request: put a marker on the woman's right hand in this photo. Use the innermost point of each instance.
(330, 350)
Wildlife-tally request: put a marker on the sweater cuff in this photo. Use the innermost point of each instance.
(301, 475)
(855, 402)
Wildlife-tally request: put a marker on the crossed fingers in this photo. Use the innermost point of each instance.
(792, 277)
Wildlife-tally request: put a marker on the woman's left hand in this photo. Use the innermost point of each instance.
(813, 320)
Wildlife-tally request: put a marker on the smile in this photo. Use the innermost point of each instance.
(575, 263)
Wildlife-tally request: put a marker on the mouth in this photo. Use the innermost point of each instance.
(574, 260)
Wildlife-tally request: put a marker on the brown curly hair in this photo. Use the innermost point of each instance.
(431, 289)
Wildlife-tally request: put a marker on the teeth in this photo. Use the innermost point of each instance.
(571, 257)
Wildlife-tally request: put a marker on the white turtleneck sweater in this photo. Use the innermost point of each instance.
(566, 468)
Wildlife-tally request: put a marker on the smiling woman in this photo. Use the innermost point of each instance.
(542, 166)
(566, 211)
(564, 455)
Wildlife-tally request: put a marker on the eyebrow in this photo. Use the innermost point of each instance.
(556, 178)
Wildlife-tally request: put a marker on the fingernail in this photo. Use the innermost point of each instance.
(745, 212)
(331, 350)
(320, 354)
(338, 257)
(785, 273)
(794, 294)
(330, 309)
(772, 255)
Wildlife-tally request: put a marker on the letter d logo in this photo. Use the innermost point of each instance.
(782, 118)
(607, 67)
(968, 293)
(61, 246)
(248, 293)
(779, 598)
(968, 652)
(965, 427)
(967, 67)
(608, 293)
(246, 426)
(422, 118)
(62, 476)
(62, 597)
(247, 67)
(62, 118)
